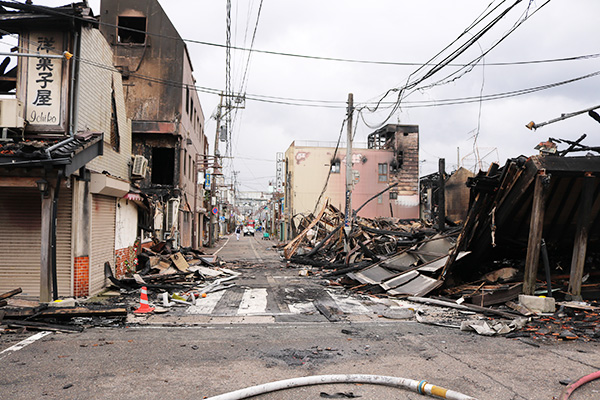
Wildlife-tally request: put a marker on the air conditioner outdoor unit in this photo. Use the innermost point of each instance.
(11, 113)
(172, 214)
(140, 164)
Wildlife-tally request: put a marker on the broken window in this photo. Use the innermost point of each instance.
(335, 166)
(163, 165)
(393, 195)
(132, 30)
(184, 162)
(383, 172)
(115, 139)
(187, 100)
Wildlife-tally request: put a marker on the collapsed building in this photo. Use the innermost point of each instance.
(532, 227)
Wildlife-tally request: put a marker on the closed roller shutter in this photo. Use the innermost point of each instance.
(64, 259)
(20, 236)
(103, 239)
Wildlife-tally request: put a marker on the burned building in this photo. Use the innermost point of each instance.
(66, 205)
(167, 118)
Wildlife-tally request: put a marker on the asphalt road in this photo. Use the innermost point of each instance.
(206, 359)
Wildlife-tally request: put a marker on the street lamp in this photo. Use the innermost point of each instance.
(42, 186)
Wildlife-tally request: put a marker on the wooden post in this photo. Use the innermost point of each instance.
(581, 236)
(46, 249)
(536, 226)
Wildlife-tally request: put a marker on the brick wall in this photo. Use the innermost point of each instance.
(81, 276)
(126, 261)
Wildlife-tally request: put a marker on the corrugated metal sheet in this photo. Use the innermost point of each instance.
(64, 257)
(20, 216)
(103, 239)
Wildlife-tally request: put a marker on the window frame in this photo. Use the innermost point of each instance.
(382, 172)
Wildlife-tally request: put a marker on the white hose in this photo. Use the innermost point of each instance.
(421, 387)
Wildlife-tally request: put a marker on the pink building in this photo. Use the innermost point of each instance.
(315, 171)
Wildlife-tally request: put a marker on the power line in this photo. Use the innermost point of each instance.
(413, 84)
(305, 56)
(332, 104)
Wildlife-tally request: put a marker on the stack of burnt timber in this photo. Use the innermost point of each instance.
(20, 315)
(538, 215)
(162, 268)
(174, 277)
(400, 257)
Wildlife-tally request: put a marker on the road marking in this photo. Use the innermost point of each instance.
(25, 342)
(254, 301)
(255, 252)
(302, 308)
(224, 244)
(347, 304)
(207, 304)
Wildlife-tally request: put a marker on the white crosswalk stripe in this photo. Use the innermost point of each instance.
(347, 304)
(302, 308)
(207, 304)
(254, 301)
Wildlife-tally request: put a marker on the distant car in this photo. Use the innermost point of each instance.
(248, 231)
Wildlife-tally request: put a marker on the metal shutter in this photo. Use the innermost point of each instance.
(103, 239)
(20, 237)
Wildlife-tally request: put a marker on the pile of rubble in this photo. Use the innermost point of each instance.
(400, 258)
(175, 277)
(541, 211)
(18, 315)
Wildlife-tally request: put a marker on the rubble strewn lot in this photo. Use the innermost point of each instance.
(513, 267)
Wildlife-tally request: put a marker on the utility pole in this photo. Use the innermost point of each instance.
(213, 183)
(348, 213)
(195, 211)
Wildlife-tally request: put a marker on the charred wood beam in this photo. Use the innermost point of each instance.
(572, 146)
(343, 271)
(581, 237)
(10, 294)
(58, 313)
(391, 233)
(316, 263)
(324, 241)
(367, 252)
(42, 326)
(538, 208)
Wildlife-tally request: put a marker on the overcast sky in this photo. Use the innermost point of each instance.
(397, 31)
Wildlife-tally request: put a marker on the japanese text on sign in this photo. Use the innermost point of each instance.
(44, 79)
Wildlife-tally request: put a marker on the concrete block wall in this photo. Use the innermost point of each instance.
(96, 85)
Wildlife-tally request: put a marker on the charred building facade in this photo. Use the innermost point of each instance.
(167, 118)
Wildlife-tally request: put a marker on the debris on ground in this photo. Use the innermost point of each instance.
(172, 278)
(66, 315)
(528, 244)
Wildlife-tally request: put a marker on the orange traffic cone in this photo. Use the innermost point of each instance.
(144, 307)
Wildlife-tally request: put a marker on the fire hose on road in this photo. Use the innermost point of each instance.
(421, 387)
